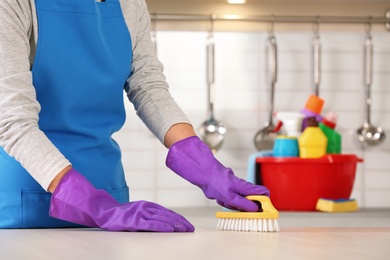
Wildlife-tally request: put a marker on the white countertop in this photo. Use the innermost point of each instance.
(358, 235)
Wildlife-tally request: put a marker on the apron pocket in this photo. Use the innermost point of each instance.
(121, 195)
(36, 204)
(35, 211)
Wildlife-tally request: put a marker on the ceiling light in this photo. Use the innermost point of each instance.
(236, 1)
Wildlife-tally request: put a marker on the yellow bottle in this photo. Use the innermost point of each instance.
(312, 142)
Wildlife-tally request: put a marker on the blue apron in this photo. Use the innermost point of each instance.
(81, 66)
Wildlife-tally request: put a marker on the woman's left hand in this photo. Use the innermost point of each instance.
(193, 160)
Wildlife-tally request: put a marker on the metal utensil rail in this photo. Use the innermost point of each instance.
(385, 20)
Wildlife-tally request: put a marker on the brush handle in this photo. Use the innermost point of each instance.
(258, 203)
(265, 204)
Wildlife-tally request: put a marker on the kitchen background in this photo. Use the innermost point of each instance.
(242, 94)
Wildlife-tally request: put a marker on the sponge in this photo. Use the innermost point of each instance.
(340, 205)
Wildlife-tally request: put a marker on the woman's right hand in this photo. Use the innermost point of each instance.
(76, 200)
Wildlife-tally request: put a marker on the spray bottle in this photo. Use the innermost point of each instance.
(287, 145)
(334, 138)
(291, 121)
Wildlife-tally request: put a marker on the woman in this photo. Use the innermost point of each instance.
(63, 68)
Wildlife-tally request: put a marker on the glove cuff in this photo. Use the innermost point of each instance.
(193, 160)
(73, 198)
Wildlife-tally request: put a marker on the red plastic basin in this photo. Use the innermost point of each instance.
(296, 184)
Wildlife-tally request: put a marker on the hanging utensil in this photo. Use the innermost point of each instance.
(211, 131)
(265, 137)
(316, 55)
(369, 134)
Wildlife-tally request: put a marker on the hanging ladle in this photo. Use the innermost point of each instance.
(369, 134)
(265, 137)
(211, 131)
(316, 55)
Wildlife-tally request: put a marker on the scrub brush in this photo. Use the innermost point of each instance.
(263, 221)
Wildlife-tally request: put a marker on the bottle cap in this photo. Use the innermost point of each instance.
(308, 113)
(330, 120)
(311, 121)
(314, 104)
(328, 123)
(330, 116)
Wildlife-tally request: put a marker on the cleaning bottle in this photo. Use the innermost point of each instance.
(334, 138)
(312, 142)
(291, 121)
(313, 108)
(287, 145)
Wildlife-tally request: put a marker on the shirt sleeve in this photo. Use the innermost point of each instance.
(20, 135)
(147, 88)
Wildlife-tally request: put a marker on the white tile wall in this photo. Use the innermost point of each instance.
(242, 105)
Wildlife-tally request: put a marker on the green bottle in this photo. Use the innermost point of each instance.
(334, 138)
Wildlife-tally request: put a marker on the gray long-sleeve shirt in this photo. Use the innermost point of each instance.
(20, 135)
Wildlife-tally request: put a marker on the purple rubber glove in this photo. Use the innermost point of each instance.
(76, 200)
(193, 160)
